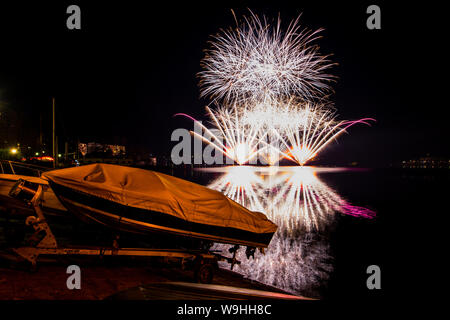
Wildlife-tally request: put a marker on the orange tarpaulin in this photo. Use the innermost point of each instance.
(159, 192)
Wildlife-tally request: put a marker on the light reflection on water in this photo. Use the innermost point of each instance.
(303, 206)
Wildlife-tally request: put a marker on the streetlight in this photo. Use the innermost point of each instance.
(13, 150)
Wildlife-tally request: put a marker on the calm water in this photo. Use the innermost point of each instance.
(333, 223)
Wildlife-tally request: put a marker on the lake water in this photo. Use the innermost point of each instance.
(333, 223)
(306, 209)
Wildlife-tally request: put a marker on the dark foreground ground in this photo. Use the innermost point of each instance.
(101, 279)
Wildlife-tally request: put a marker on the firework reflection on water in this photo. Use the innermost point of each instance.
(298, 258)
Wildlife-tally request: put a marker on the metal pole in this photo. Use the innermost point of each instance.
(56, 152)
(12, 168)
(53, 139)
(41, 141)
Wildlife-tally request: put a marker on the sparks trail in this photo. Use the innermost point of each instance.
(271, 131)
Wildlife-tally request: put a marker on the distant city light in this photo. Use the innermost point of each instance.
(13, 150)
(59, 155)
(37, 153)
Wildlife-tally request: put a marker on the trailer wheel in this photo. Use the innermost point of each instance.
(204, 273)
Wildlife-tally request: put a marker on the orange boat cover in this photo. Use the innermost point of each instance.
(159, 192)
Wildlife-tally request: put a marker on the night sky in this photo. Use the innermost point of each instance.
(132, 66)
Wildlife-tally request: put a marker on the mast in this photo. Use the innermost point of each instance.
(53, 136)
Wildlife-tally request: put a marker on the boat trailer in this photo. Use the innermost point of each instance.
(43, 242)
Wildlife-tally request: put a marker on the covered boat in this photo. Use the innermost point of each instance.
(144, 201)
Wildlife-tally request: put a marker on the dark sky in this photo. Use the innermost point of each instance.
(133, 65)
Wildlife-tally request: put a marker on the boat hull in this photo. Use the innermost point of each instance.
(91, 208)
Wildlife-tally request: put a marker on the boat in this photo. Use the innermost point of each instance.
(50, 203)
(144, 201)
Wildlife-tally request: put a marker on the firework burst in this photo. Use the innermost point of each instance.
(308, 129)
(232, 135)
(269, 89)
(257, 60)
(269, 132)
